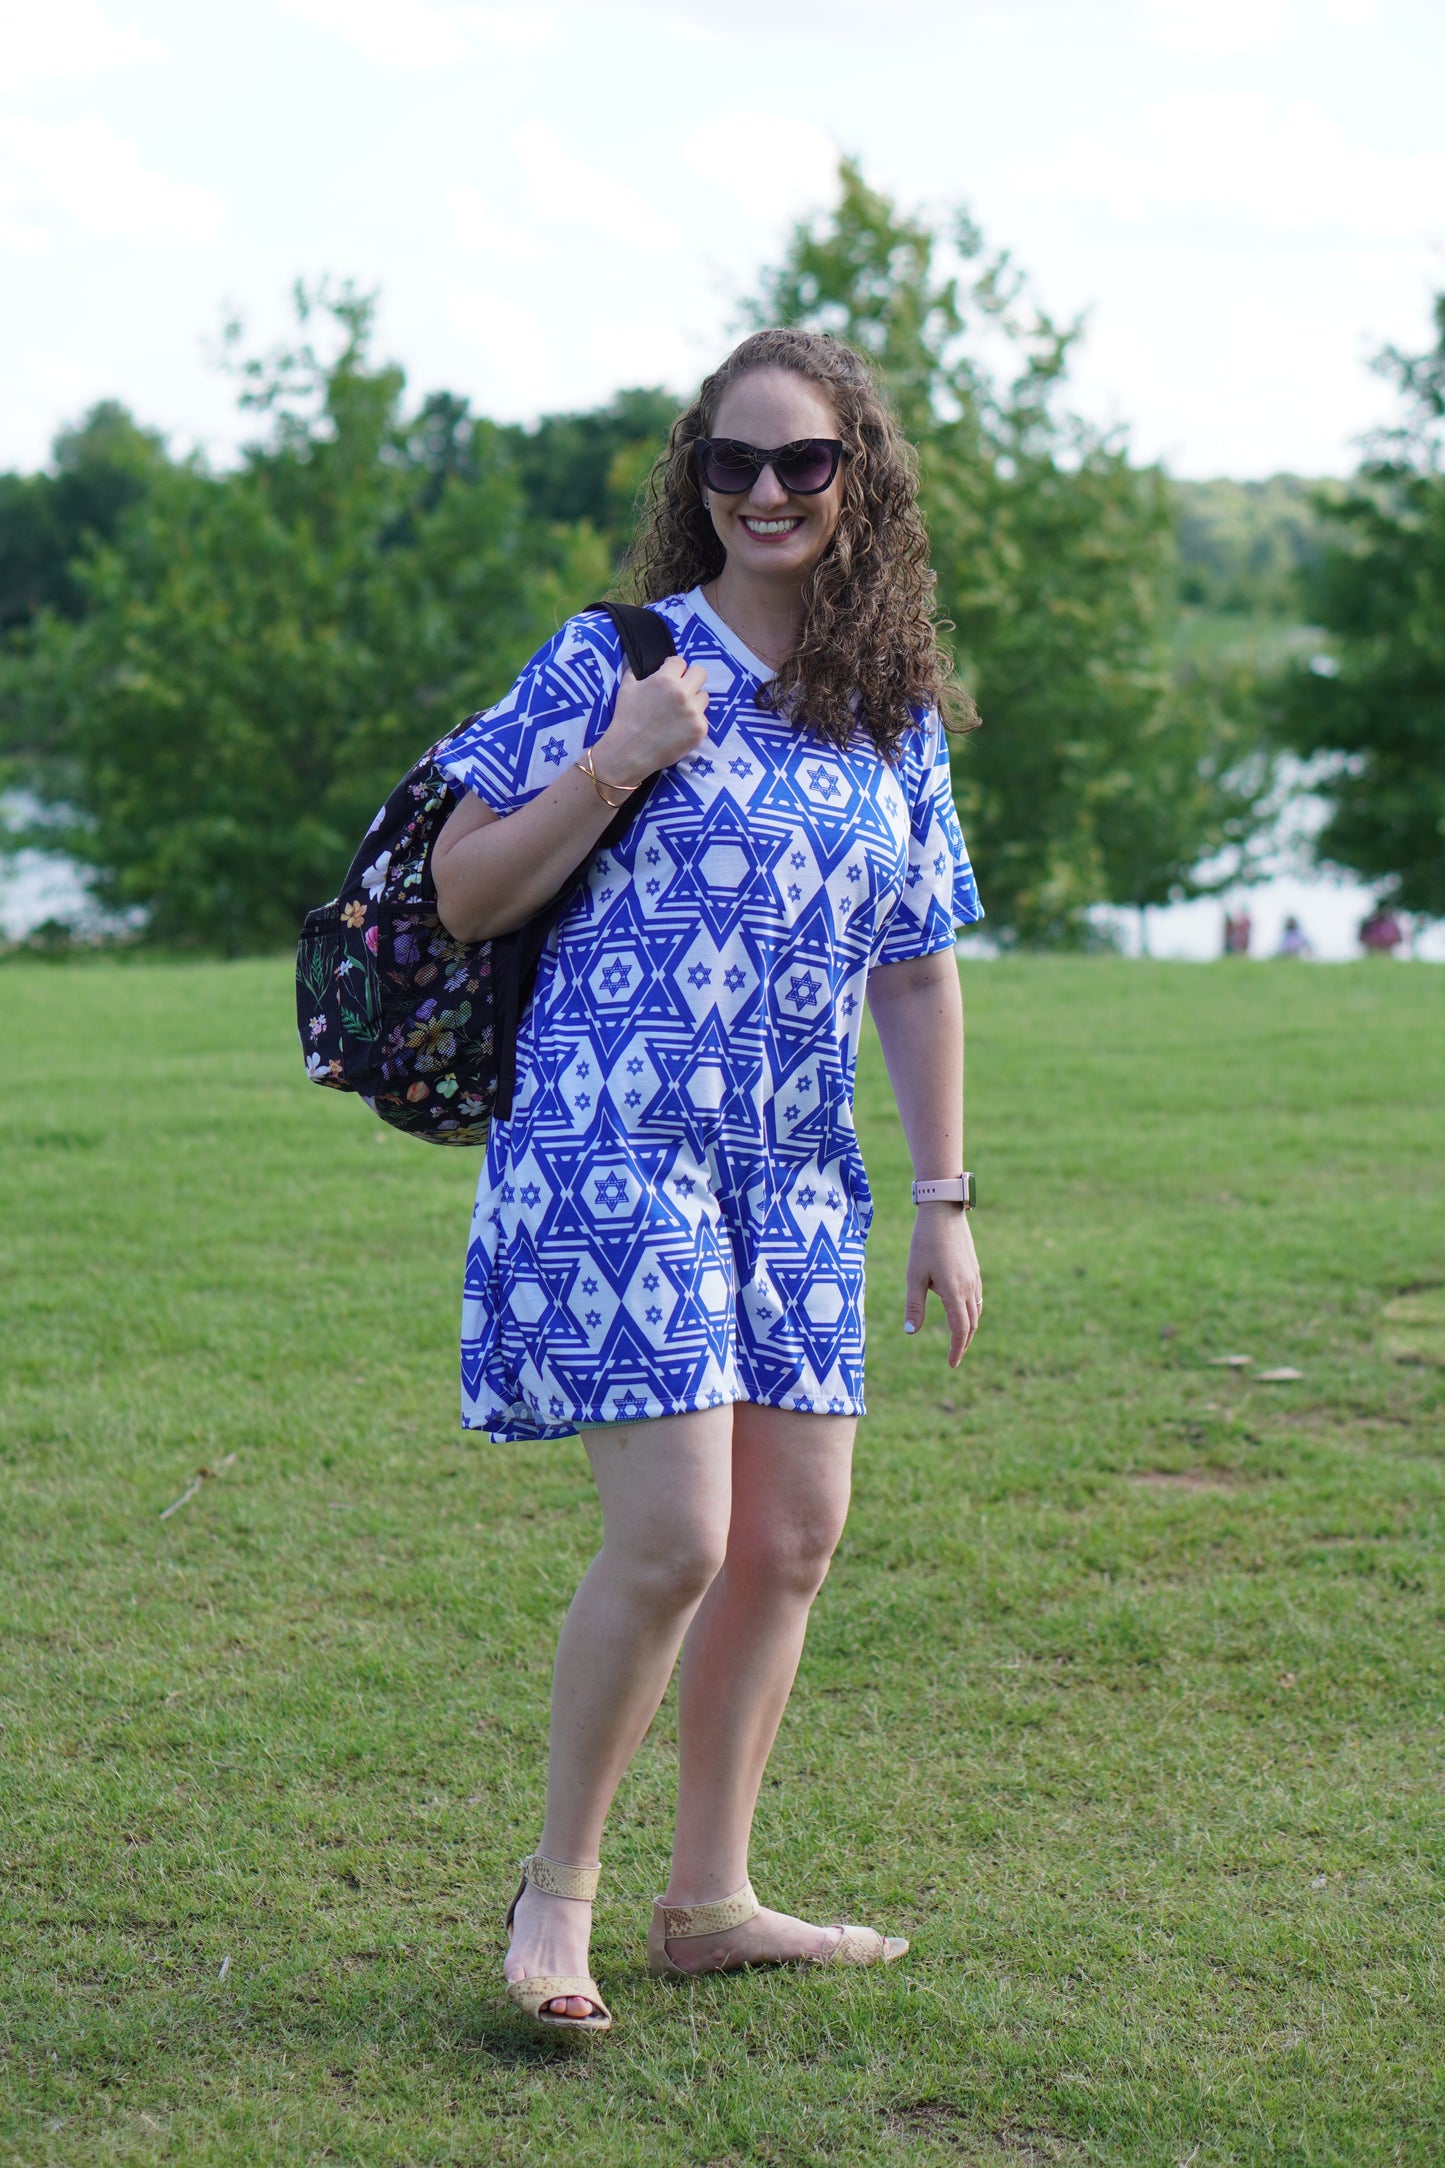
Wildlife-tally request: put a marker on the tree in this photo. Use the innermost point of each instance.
(1243, 545)
(100, 469)
(261, 653)
(591, 466)
(1096, 777)
(1371, 709)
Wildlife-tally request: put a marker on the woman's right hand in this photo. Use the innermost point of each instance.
(658, 721)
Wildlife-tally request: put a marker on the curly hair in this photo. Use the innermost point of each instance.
(869, 652)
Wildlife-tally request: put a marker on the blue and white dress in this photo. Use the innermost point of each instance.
(674, 1217)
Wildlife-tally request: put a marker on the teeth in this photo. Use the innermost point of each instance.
(771, 526)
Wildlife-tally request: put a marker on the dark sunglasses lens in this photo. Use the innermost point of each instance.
(729, 468)
(807, 467)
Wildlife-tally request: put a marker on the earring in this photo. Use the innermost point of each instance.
(706, 502)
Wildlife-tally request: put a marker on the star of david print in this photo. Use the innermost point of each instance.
(674, 1217)
(800, 990)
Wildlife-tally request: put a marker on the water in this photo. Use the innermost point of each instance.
(36, 886)
(1330, 911)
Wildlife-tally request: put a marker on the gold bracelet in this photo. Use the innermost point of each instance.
(612, 804)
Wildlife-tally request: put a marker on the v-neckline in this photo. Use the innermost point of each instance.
(698, 603)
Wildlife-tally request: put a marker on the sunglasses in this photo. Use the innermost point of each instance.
(802, 469)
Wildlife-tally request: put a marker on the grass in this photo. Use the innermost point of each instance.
(1123, 1699)
(1267, 639)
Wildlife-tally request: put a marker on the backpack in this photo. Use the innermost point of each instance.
(388, 1003)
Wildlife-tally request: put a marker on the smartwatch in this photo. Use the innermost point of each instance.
(950, 1189)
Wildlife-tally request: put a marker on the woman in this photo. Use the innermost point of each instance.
(667, 1245)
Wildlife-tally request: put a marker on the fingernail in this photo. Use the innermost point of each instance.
(910, 1328)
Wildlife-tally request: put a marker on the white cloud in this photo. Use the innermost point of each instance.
(1216, 26)
(1286, 380)
(1221, 27)
(428, 33)
(515, 29)
(399, 33)
(82, 174)
(867, 20)
(523, 361)
(643, 351)
(774, 167)
(569, 193)
(19, 234)
(520, 373)
(1236, 27)
(1235, 159)
(44, 39)
(475, 227)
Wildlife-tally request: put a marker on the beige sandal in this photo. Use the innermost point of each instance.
(679, 1923)
(556, 1879)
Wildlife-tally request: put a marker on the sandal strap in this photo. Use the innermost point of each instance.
(864, 1946)
(681, 1921)
(533, 1993)
(558, 1878)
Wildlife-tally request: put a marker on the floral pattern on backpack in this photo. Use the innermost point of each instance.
(388, 1003)
(393, 1007)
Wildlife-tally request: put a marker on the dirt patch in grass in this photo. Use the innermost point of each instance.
(1032, 2148)
(1406, 1435)
(1412, 1328)
(1184, 1479)
(928, 2119)
(945, 2122)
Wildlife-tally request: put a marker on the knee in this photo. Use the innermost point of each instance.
(668, 1570)
(791, 1560)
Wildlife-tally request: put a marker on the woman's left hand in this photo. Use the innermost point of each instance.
(941, 1256)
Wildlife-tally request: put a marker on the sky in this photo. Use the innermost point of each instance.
(1245, 198)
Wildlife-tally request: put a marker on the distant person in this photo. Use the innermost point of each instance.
(1381, 933)
(667, 1245)
(1237, 931)
(1293, 940)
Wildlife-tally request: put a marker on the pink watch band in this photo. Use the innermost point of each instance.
(949, 1189)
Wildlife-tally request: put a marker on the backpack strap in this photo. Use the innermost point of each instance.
(646, 642)
(646, 638)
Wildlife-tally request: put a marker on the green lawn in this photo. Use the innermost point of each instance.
(1123, 1699)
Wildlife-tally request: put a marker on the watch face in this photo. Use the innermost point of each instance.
(970, 1193)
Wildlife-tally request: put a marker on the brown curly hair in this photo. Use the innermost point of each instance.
(869, 652)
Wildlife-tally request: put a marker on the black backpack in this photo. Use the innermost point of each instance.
(388, 1003)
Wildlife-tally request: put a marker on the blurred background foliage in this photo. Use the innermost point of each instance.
(1103, 772)
(1374, 718)
(208, 681)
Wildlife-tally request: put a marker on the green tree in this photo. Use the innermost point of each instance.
(1243, 545)
(261, 653)
(1096, 776)
(98, 471)
(1371, 709)
(591, 466)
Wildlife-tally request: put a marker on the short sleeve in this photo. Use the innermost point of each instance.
(561, 704)
(939, 892)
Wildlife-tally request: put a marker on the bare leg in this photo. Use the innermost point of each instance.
(666, 1491)
(791, 1477)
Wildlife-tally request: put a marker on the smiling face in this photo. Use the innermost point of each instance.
(767, 533)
